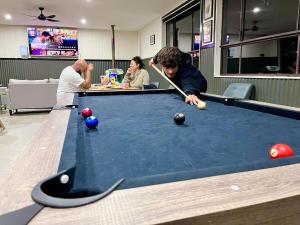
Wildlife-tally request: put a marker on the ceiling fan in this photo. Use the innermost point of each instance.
(253, 28)
(42, 17)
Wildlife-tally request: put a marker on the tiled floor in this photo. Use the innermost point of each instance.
(20, 129)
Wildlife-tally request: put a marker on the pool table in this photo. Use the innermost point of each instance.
(213, 169)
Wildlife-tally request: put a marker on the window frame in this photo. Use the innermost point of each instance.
(220, 47)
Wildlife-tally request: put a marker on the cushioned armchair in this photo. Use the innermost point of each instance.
(239, 90)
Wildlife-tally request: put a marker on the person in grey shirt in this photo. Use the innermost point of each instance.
(136, 75)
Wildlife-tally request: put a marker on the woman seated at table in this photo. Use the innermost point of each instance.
(136, 76)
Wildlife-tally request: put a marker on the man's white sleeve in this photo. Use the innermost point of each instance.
(75, 79)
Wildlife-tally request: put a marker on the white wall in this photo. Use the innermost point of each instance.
(184, 42)
(269, 49)
(92, 44)
(155, 27)
(11, 38)
(96, 44)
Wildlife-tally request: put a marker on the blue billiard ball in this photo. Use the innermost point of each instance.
(91, 122)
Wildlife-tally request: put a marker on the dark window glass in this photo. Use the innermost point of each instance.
(267, 17)
(262, 18)
(230, 59)
(196, 30)
(274, 56)
(195, 57)
(231, 21)
(288, 54)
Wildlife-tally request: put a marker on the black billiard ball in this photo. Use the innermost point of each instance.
(179, 118)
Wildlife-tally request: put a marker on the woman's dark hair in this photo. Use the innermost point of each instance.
(169, 57)
(138, 60)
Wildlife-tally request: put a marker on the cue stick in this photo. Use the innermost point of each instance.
(168, 79)
(176, 87)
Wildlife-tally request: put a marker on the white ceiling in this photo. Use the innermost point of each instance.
(129, 15)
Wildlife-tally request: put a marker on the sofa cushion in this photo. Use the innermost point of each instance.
(54, 81)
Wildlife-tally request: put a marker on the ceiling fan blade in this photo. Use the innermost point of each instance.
(51, 16)
(52, 20)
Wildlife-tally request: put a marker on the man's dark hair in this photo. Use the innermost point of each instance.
(169, 57)
(138, 60)
(46, 33)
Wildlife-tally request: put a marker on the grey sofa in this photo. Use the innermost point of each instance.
(31, 94)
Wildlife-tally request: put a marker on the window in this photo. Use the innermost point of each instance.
(260, 37)
(269, 17)
(183, 29)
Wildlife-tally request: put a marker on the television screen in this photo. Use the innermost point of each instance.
(45, 41)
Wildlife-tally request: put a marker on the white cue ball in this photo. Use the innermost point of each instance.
(64, 179)
(201, 105)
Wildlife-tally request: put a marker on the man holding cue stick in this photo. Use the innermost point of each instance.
(178, 68)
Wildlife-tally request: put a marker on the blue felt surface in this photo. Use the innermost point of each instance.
(138, 140)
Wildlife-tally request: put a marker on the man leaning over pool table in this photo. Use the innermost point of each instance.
(177, 65)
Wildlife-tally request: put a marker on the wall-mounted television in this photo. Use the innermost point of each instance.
(49, 42)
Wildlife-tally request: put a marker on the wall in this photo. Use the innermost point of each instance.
(154, 76)
(11, 37)
(145, 49)
(96, 44)
(184, 42)
(33, 69)
(92, 44)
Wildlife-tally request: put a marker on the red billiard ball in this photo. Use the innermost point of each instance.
(281, 151)
(86, 112)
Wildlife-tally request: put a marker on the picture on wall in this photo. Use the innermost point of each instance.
(208, 9)
(207, 37)
(47, 41)
(152, 39)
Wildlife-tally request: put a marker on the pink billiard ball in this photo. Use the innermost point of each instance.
(86, 112)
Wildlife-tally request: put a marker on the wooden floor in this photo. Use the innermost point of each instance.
(266, 197)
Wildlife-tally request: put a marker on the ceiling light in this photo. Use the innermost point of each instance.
(256, 9)
(7, 17)
(83, 21)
